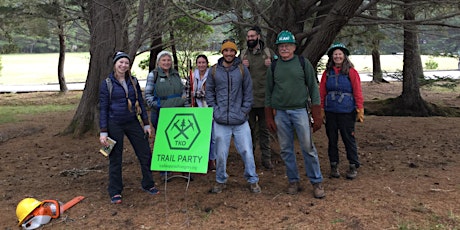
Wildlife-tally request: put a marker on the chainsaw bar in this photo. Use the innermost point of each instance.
(71, 203)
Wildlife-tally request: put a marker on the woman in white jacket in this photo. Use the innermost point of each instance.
(196, 92)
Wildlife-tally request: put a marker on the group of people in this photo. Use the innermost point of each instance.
(252, 94)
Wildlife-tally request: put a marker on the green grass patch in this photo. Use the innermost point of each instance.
(10, 114)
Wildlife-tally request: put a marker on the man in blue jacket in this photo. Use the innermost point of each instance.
(229, 92)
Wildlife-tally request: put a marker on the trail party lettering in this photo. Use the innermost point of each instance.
(179, 158)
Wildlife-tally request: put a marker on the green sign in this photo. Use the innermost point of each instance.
(182, 140)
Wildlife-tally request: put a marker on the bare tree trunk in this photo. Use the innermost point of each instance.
(135, 43)
(61, 78)
(107, 35)
(157, 47)
(157, 30)
(412, 103)
(330, 27)
(377, 75)
(174, 51)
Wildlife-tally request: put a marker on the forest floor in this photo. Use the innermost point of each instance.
(409, 177)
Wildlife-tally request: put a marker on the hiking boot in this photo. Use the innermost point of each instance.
(212, 165)
(267, 164)
(218, 188)
(293, 188)
(352, 172)
(318, 191)
(255, 188)
(334, 170)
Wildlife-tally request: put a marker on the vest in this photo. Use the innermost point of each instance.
(339, 98)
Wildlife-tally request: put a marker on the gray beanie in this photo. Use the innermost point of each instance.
(163, 53)
(119, 55)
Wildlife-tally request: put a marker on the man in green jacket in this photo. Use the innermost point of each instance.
(257, 58)
(288, 91)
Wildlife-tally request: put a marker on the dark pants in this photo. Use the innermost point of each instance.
(345, 123)
(257, 117)
(154, 116)
(135, 134)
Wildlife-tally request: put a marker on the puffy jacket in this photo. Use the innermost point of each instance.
(115, 107)
(229, 93)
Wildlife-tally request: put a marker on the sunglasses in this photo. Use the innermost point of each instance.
(228, 40)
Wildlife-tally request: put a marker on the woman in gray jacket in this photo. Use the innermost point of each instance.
(164, 88)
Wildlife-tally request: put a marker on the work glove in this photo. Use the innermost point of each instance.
(323, 116)
(317, 117)
(269, 112)
(360, 115)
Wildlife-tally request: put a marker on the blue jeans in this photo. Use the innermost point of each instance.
(243, 143)
(286, 122)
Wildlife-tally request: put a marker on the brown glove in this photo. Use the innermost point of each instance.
(360, 115)
(269, 111)
(317, 118)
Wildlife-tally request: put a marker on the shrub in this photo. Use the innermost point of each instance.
(431, 64)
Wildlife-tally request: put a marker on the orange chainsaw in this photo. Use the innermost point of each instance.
(48, 209)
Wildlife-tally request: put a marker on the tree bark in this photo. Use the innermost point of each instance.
(107, 36)
(411, 102)
(338, 17)
(174, 51)
(377, 75)
(157, 47)
(61, 78)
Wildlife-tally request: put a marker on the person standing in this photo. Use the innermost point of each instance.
(289, 88)
(229, 92)
(196, 93)
(164, 89)
(257, 58)
(342, 104)
(121, 102)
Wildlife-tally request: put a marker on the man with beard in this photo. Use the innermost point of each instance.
(229, 93)
(257, 58)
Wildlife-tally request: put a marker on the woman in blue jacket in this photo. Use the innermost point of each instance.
(121, 103)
